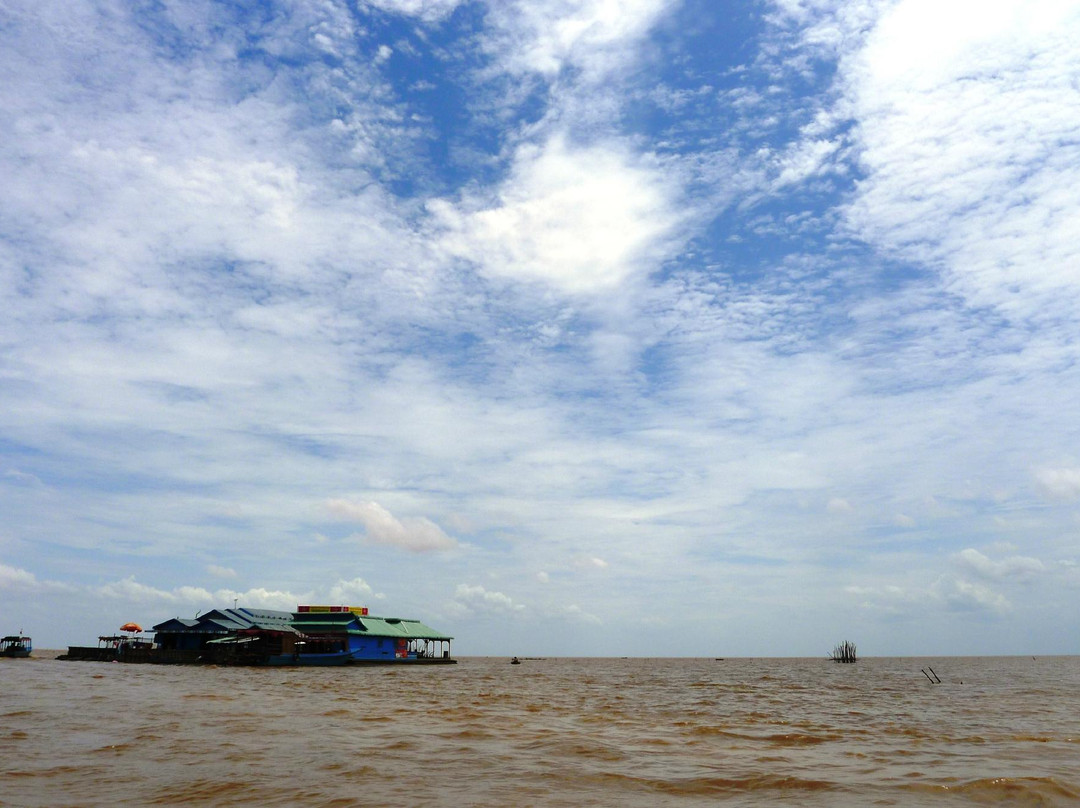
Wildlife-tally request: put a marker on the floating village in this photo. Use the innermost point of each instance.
(312, 635)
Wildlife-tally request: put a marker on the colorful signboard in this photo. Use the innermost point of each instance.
(357, 610)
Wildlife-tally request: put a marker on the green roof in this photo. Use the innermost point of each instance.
(396, 627)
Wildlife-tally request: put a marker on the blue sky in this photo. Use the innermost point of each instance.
(585, 327)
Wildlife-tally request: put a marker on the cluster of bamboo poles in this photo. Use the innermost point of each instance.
(844, 652)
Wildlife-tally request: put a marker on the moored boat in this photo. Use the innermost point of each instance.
(16, 646)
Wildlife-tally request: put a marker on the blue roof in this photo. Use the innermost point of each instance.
(227, 620)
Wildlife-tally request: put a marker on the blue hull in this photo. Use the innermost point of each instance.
(310, 660)
(348, 658)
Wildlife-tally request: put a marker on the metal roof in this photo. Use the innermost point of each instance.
(396, 627)
(219, 621)
(401, 627)
(264, 615)
(226, 620)
(176, 624)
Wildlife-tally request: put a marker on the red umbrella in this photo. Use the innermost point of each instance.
(131, 627)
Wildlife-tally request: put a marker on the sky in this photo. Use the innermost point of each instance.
(569, 327)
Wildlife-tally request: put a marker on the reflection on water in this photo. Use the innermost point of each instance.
(554, 732)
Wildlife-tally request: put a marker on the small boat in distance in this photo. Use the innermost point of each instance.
(16, 646)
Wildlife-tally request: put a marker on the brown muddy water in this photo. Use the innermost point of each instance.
(552, 732)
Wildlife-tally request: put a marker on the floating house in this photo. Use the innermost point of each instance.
(367, 639)
(312, 635)
(180, 634)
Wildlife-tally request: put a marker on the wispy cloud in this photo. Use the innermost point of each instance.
(963, 131)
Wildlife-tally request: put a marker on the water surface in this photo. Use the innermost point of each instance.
(551, 732)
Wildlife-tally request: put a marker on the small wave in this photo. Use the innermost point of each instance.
(800, 739)
(468, 734)
(114, 749)
(1043, 739)
(720, 732)
(45, 774)
(216, 792)
(1014, 791)
(713, 786)
(575, 748)
(776, 739)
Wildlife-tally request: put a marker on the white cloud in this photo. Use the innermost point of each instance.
(220, 572)
(890, 598)
(259, 597)
(220, 304)
(415, 534)
(345, 592)
(131, 591)
(806, 159)
(428, 10)
(914, 601)
(965, 117)
(15, 578)
(582, 218)
(596, 36)
(22, 478)
(1022, 568)
(839, 505)
(1061, 483)
(963, 595)
(575, 612)
(478, 600)
(590, 562)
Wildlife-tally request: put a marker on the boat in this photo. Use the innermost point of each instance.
(16, 646)
(111, 648)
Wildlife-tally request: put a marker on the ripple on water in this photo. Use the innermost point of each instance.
(631, 733)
